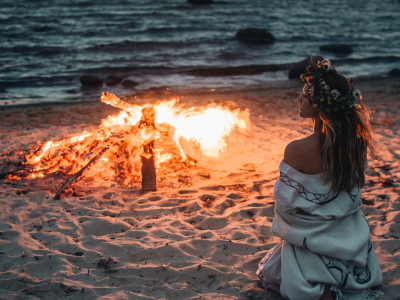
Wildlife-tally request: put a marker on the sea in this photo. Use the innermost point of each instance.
(46, 46)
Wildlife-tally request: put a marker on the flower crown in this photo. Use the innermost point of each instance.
(322, 96)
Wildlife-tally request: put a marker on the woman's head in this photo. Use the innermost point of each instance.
(337, 95)
(346, 130)
(334, 81)
(306, 109)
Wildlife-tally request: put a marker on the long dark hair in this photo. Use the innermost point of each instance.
(344, 141)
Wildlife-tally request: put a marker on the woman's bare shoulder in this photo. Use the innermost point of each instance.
(293, 154)
(303, 155)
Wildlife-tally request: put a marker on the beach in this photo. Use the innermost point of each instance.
(196, 239)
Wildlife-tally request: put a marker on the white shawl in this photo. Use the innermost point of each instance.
(325, 241)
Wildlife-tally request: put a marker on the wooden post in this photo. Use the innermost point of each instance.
(149, 179)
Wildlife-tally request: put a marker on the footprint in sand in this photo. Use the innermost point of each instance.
(195, 220)
(110, 195)
(183, 192)
(212, 223)
(268, 211)
(100, 227)
(221, 207)
(234, 196)
(190, 207)
(213, 188)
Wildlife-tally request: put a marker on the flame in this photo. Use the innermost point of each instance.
(81, 137)
(208, 127)
(205, 128)
(161, 157)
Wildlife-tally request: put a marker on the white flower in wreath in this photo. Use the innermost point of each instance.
(326, 62)
(311, 91)
(315, 105)
(335, 93)
(357, 94)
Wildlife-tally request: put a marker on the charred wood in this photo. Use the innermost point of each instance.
(149, 182)
(79, 173)
(148, 118)
(113, 100)
(14, 169)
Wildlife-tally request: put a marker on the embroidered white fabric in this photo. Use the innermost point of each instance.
(325, 241)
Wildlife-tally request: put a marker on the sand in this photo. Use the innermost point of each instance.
(196, 240)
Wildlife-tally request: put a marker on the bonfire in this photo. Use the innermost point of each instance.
(139, 147)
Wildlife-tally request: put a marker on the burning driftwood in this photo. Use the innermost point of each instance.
(149, 182)
(135, 143)
(75, 176)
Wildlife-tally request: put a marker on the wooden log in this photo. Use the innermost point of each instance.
(148, 118)
(79, 173)
(149, 180)
(113, 100)
(17, 170)
(7, 169)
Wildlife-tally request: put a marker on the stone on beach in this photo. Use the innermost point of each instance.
(113, 80)
(90, 81)
(336, 48)
(394, 72)
(255, 36)
(300, 67)
(129, 84)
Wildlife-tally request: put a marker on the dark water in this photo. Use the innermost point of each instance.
(45, 46)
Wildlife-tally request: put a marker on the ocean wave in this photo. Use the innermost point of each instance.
(43, 28)
(173, 29)
(35, 81)
(140, 46)
(193, 71)
(193, 7)
(372, 59)
(232, 56)
(235, 71)
(36, 50)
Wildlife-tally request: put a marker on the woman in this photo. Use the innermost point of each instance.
(326, 251)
